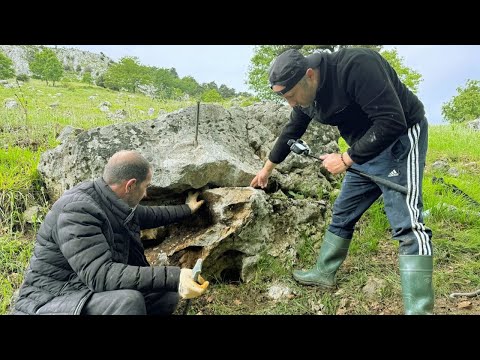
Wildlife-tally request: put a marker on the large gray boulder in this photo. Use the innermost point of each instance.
(238, 222)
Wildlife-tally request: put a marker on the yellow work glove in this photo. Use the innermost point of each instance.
(188, 288)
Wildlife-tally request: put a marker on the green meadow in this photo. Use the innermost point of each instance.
(369, 281)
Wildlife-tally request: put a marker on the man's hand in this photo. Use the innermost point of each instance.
(261, 179)
(188, 288)
(192, 201)
(334, 163)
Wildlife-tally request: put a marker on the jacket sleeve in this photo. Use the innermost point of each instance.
(82, 242)
(293, 129)
(154, 216)
(369, 85)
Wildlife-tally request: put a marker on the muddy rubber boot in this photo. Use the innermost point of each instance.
(417, 288)
(332, 254)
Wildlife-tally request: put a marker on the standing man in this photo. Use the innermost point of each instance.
(88, 257)
(384, 124)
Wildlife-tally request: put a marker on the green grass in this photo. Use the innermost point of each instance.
(15, 253)
(17, 168)
(44, 111)
(456, 143)
(32, 128)
(307, 249)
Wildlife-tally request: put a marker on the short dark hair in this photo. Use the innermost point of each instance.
(126, 165)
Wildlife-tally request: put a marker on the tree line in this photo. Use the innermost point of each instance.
(126, 75)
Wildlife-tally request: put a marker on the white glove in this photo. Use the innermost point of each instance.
(188, 288)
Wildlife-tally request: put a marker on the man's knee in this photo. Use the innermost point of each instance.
(171, 302)
(164, 303)
(132, 301)
(117, 302)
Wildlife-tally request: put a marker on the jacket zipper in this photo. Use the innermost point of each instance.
(79, 306)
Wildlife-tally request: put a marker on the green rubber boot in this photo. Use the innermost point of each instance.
(332, 254)
(417, 288)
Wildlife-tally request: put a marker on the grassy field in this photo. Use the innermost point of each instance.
(369, 281)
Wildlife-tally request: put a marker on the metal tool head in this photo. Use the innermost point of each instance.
(197, 269)
(299, 147)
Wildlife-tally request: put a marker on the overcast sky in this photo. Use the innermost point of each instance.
(443, 67)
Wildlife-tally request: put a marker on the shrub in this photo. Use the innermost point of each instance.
(23, 77)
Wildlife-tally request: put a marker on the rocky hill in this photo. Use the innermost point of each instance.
(75, 60)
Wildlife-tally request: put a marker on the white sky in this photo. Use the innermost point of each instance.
(443, 67)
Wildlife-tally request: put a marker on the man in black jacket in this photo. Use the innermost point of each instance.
(88, 257)
(384, 124)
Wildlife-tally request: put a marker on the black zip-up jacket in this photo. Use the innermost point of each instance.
(90, 242)
(361, 94)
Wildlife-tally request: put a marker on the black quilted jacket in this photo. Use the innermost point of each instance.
(90, 242)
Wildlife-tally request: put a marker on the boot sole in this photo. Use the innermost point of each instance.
(312, 283)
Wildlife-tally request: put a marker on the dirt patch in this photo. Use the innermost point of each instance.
(458, 306)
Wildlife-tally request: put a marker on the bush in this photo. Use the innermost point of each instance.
(87, 78)
(23, 77)
(465, 106)
(100, 81)
(211, 95)
(249, 101)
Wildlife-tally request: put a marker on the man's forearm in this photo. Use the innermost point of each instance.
(269, 166)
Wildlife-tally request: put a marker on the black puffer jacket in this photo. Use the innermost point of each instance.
(90, 242)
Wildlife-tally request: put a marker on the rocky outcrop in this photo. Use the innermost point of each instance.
(237, 222)
(74, 60)
(474, 125)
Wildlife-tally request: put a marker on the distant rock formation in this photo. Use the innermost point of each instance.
(75, 60)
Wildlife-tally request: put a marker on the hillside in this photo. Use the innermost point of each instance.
(128, 74)
(369, 280)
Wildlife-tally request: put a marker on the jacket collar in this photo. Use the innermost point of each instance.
(111, 200)
(323, 72)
